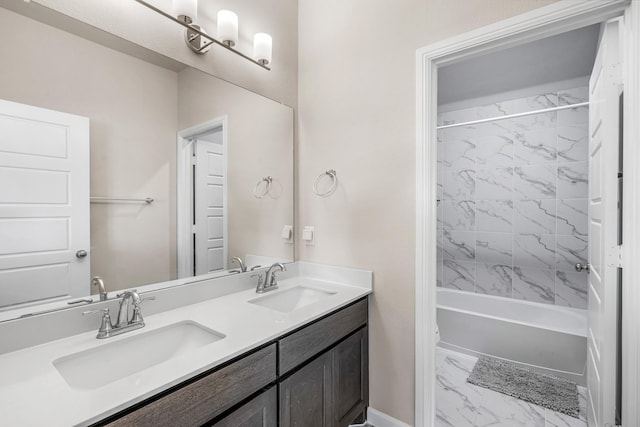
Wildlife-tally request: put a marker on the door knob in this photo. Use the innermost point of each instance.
(582, 267)
(81, 253)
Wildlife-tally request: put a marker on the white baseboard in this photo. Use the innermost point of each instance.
(380, 419)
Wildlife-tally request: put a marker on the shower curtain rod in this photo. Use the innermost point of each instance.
(511, 116)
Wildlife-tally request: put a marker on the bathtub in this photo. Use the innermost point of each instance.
(545, 337)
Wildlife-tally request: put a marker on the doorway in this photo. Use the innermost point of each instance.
(430, 62)
(202, 199)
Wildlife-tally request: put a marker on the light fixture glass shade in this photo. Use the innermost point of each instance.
(228, 27)
(188, 8)
(262, 48)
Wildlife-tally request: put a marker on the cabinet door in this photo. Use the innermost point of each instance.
(350, 378)
(208, 397)
(262, 411)
(305, 397)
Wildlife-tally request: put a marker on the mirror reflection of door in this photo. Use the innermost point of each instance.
(44, 205)
(209, 203)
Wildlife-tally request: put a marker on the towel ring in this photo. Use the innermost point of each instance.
(260, 194)
(334, 183)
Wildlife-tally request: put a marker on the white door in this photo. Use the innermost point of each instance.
(44, 205)
(604, 91)
(210, 199)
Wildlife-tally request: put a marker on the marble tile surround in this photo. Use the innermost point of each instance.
(460, 404)
(512, 215)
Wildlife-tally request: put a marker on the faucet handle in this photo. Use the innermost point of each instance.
(105, 326)
(137, 316)
(255, 267)
(260, 277)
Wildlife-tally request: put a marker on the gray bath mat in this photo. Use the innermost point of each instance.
(551, 392)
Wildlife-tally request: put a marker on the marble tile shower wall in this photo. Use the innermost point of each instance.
(512, 216)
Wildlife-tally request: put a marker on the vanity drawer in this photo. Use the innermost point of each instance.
(206, 398)
(261, 411)
(311, 340)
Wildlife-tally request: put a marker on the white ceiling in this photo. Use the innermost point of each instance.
(562, 57)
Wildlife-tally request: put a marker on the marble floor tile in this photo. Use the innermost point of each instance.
(460, 404)
(457, 402)
(556, 419)
(501, 410)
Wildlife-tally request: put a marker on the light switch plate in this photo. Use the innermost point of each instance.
(308, 235)
(287, 233)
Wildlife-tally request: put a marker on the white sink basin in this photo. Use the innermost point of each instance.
(291, 299)
(96, 367)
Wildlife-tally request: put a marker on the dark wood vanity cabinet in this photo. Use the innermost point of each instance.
(350, 378)
(314, 376)
(203, 399)
(330, 391)
(261, 411)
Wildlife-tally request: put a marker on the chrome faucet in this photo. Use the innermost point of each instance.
(124, 323)
(270, 283)
(127, 299)
(97, 281)
(243, 268)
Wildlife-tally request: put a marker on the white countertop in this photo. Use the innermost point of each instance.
(33, 393)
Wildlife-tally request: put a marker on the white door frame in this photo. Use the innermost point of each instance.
(184, 213)
(546, 21)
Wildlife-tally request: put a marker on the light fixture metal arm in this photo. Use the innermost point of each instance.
(202, 34)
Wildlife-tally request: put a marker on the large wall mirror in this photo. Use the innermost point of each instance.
(116, 167)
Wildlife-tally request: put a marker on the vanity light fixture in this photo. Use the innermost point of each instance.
(262, 47)
(185, 12)
(228, 27)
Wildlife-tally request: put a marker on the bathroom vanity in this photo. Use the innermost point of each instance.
(316, 375)
(297, 355)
